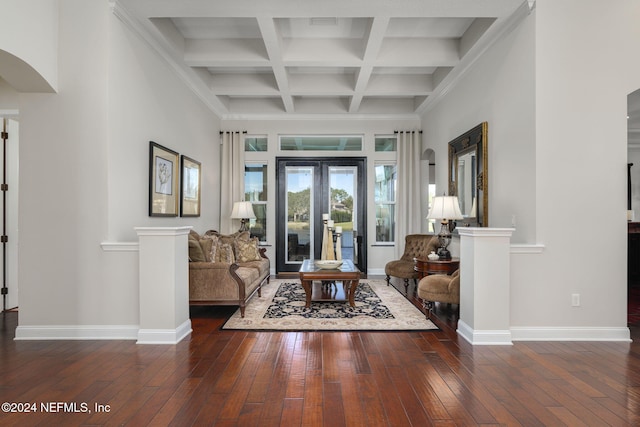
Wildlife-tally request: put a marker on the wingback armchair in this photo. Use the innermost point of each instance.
(415, 246)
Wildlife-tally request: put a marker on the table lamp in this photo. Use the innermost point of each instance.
(242, 211)
(445, 208)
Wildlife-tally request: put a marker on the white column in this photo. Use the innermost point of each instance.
(164, 285)
(484, 285)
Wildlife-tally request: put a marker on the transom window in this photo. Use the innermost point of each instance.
(321, 143)
(386, 142)
(255, 143)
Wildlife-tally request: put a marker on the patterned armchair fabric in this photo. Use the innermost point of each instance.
(416, 246)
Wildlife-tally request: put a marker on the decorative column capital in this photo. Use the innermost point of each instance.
(162, 231)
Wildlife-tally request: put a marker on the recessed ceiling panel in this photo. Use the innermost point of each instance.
(218, 28)
(428, 27)
(323, 27)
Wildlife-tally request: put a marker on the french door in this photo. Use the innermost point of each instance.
(309, 188)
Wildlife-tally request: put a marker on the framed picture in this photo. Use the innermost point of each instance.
(190, 187)
(163, 181)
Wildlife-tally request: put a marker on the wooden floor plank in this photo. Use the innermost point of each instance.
(333, 411)
(355, 411)
(292, 412)
(298, 370)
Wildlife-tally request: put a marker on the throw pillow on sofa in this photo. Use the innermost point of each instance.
(247, 250)
(208, 248)
(195, 251)
(224, 253)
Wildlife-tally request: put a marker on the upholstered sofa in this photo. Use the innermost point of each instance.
(225, 269)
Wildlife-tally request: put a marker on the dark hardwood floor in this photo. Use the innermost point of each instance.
(231, 378)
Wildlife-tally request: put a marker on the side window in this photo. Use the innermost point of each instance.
(385, 199)
(255, 191)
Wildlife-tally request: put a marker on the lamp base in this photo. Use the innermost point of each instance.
(444, 254)
(243, 225)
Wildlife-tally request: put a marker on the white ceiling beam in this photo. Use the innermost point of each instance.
(325, 8)
(373, 43)
(273, 44)
(476, 30)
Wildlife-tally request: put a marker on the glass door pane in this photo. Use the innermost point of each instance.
(299, 207)
(343, 184)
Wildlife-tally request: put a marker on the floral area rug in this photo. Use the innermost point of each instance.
(282, 308)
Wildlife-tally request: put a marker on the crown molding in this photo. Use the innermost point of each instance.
(483, 45)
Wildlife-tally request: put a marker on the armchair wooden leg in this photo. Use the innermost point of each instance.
(388, 280)
(406, 286)
(428, 308)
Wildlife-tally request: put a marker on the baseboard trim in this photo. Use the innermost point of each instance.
(571, 334)
(104, 332)
(76, 332)
(164, 336)
(484, 337)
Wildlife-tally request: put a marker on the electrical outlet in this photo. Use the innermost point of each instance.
(575, 300)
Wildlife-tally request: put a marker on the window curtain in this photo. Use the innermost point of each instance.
(408, 207)
(231, 178)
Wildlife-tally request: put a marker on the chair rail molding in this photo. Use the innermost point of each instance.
(120, 246)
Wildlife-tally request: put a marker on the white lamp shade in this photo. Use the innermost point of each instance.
(242, 210)
(445, 207)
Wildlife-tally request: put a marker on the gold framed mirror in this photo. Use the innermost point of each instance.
(468, 176)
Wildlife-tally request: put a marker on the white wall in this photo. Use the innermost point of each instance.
(148, 102)
(377, 255)
(9, 97)
(84, 169)
(557, 148)
(498, 89)
(581, 155)
(30, 61)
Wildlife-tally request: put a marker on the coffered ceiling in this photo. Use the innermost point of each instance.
(310, 58)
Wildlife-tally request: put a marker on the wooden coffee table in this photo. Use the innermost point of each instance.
(346, 273)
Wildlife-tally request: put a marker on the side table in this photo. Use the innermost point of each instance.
(425, 267)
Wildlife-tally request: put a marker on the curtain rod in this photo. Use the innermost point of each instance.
(231, 131)
(410, 131)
